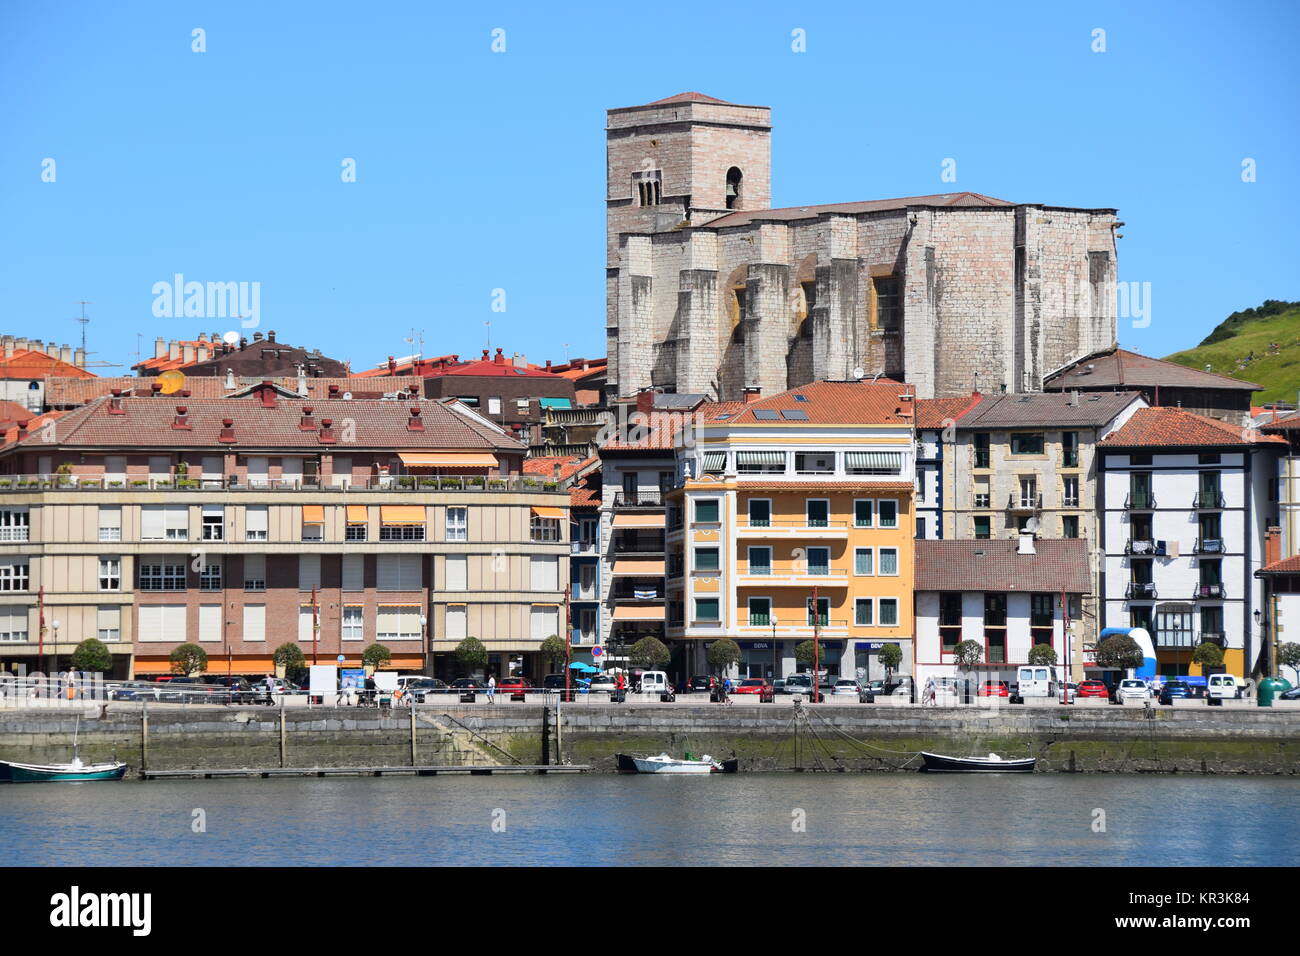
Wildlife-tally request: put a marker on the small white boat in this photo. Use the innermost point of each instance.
(664, 763)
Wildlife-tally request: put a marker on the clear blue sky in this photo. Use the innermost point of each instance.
(479, 170)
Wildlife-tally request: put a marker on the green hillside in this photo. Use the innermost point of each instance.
(1260, 345)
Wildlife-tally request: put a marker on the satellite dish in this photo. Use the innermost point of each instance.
(859, 372)
(1032, 525)
(347, 396)
(231, 338)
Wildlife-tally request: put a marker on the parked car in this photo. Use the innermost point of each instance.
(185, 690)
(134, 690)
(994, 688)
(749, 685)
(1093, 688)
(468, 683)
(1174, 689)
(421, 688)
(700, 684)
(653, 682)
(1130, 688)
(778, 686)
(1223, 687)
(601, 684)
(846, 688)
(1070, 686)
(1292, 694)
(513, 685)
(237, 690)
(556, 682)
(901, 687)
(875, 687)
(798, 684)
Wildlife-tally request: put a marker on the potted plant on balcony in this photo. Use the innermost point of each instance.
(64, 473)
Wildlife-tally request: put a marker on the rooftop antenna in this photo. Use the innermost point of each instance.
(566, 353)
(488, 326)
(84, 322)
(416, 338)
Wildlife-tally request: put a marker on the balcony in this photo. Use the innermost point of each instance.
(1209, 546)
(1207, 501)
(798, 578)
(638, 499)
(584, 547)
(1025, 503)
(1140, 591)
(1144, 546)
(1214, 637)
(1142, 501)
(1209, 592)
(385, 483)
(793, 528)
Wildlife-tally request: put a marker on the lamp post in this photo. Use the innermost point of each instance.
(55, 624)
(1259, 617)
(774, 664)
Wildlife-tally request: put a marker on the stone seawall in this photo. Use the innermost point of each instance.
(855, 737)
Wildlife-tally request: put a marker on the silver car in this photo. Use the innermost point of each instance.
(1132, 689)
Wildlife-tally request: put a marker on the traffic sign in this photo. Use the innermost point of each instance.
(597, 651)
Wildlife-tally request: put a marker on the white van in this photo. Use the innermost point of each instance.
(654, 682)
(1036, 680)
(1223, 687)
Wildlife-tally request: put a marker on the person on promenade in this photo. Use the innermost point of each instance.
(492, 689)
(929, 693)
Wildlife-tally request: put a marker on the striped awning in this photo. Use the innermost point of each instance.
(760, 458)
(357, 514)
(547, 512)
(446, 460)
(890, 461)
(714, 460)
(401, 514)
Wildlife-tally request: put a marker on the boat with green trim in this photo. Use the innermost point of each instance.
(75, 772)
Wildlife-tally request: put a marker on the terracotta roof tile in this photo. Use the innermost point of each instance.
(938, 412)
(1289, 565)
(1120, 368)
(1176, 427)
(545, 465)
(824, 403)
(69, 392)
(28, 364)
(1058, 564)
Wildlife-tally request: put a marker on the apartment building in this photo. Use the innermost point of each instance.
(1279, 616)
(1185, 504)
(1021, 462)
(794, 521)
(240, 523)
(936, 430)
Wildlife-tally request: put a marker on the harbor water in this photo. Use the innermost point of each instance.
(774, 819)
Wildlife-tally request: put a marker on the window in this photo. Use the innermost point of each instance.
(1210, 495)
(399, 572)
(313, 532)
(983, 527)
(457, 524)
(760, 513)
(1070, 526)
(255, 572)
(921, 481)
(397, 622)
(820, 617)
(863, 561)
(706, 609)
(209, 623)
(733, 188)
(887, 508)
(457, 572)
(1070, 491)
(819, 512)
(162, 623)
(1140, 616)
(706, 510)
(887, 295)
(13, 524)
(1069, 449)
(110, 574)
(545, 529)
(760, 612)
(1042, 614)
(1026, 443)
(949, 621)
(981, 449)
(819, 561)
(814, 462)
(1174, 626)
(995, 628)
(863, 511)
(760, 462)
(306, 620)
(648, 187)
(889, 561)
(210, 577)
(255, 523)
(863, 612)
(1208, 459)
(353, 622)
(355, 532)
(308, 572)
(214, 522)
(543, 622)
(159, 576)
(981, 491)
(13, 625)
(888, 612)
(164, 523)
(110, 524)
(1211, 623)
(1139, 490)
(706, 559)
(494, 405)
(254, 622)
(1028, 491)
(544, 572)
(108, 624)
(457, 626)
(354, 566)
(760, 561)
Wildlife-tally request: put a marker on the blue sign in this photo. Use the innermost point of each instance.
(353, 679)
(597, 651)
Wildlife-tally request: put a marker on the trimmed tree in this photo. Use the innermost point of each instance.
(1119, 651)
(649, 653)
(92, 655)
(289, 656)
(968, 654)
(803, 653)
(376, 656)
(1288, 655)
(723, 654)
(1209, 656)
(1043, 654)
(188, 659)
(470, 653)
(554, 650)
(891, 655)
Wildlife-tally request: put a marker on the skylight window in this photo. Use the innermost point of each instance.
(801, 398)
(765, 414)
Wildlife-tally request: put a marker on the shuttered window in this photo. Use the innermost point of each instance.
(308, 572)
(457, 616)
(108, 624)
(255, 572)
(304, 622)
(354, 572)
(398, 622)
(110, 524)
(255, 519)
(457, 572)
(164, 522)
(13, 625)
(544, 573)
(209, 623)
(398, 572)
(162, 623)
(543, 621)
(254, 622)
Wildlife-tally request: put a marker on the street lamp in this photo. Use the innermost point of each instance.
(774, 666)
(55, 624)
(1259, 616)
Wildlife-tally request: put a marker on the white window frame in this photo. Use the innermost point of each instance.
(457, 523)
(871, 512)
(880, 518)
(749, 558)
(880, 562)
(15, 575)
(868, 602)
(352, 622)
(871, 552)
(15, 524)
(110, 573)
(880, 603)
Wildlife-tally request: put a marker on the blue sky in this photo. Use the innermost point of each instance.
(478, 170)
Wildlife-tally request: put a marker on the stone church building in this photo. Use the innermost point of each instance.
(711, 290)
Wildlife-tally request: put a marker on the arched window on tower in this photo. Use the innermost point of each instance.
(733, 187)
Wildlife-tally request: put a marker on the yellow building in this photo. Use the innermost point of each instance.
(793, 522)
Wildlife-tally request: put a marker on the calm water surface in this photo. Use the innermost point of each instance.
(868, 819)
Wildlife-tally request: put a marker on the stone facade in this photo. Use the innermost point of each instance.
(710, 290)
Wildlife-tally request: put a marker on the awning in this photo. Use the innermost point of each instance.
(714, 460)
(357, 514)
(555, 403)
(638, 566)
(760, 458)
(313, 514)
(547, 512)
(650, 520)
(448, 460)
(889, 461)
(631, 612)
(401, 514)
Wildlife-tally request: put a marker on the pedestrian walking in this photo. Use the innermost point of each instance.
(929, 692)
(492, 689)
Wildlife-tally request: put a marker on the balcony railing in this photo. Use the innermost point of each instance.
(1214, 637)
(1207, 500)
(1209, 546)
(584, 546)
(1140, 502)
(1209, 591)
(1144, 546)
(1025, 502)
(800, 523)
(638, 499)
(1140, 590)
(395, 483)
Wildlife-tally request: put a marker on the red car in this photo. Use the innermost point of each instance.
(994, 688)
(1093, 688)
(513, 685)
(756, 685)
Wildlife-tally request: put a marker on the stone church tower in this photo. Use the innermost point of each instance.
(710, 290)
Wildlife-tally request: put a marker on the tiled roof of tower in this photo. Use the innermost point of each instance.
(1176, 427)
(691, 97)
(30, 364)
(1120, 368)
(822, 403)
(1058, 564)
(1046, 408)
(147, 422)
(939, 412)
(964, 199)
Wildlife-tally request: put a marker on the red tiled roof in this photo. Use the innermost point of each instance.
(1047, 409)
(1289, 565)
(29, 364)
(368, 424)
(9, 432)
(1176, 427)
(545, 465)
(938, 412)
(13, 412)
(658, 431)
(690, 97)
(824, 403)
(949, 200)
(1058, 564)
(68, 392)
(1120, 368)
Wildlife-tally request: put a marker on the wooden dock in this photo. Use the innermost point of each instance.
(360, 771)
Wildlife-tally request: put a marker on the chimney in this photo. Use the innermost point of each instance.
(392, 365)
(9, 346)
(485, 355)
(1026, 543)
(174, 350)
(334, 391)
(20, 345)
(1272, 546)
(1074, 397)
(79, 358)
(243, 343)
(22, 428)
(115, 403)
(266, 392)
(187, 354)
(155, 388)
(645, 401)
(257, 336)
(548, 365)
(555, 471)
(415, 423)
(270, 336)
(307, 423)
(227, 435)
(182, 420)
(752, 394)
(326, 436)
(201, 353)
(499, 358)
(65, 354)
(203, 336)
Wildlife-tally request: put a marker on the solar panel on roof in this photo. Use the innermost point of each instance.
(794, 414)
(765, 414)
